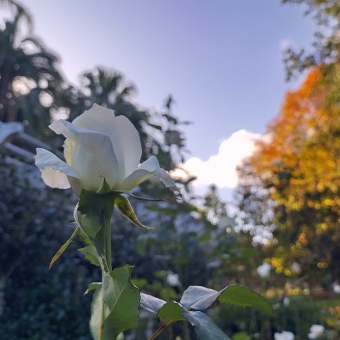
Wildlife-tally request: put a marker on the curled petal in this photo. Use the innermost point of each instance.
(90, 153)
(54, 170)
(141, 174)
(76, 185)
(145, 171)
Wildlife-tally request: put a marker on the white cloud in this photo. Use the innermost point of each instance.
(220, 169)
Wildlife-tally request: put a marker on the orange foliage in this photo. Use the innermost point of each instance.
(299, 163)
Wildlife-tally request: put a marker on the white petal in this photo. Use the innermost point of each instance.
(124, 136)
(54, 170)
(130, 143)
(145, 171)
(90, 154)
(76, 185)
(55, 179)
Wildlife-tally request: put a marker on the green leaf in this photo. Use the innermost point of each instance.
(244, 296)
(93, 286)
(124, 206)
(90, 210)
(150, 303)
(171, 312)
(201, 298)
(115, 305)
(240, 336)
(91, 254)
(204, 326)
(64, 246)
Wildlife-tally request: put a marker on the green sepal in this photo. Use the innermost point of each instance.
(93, 217)
(124, 206)
(104, 188)
(93, 286)
(115, 305)
(85, 238)
(90, 209)
(141, 198)
(64, 246)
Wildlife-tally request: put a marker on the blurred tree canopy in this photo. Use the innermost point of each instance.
(326, 45)
(295, 175)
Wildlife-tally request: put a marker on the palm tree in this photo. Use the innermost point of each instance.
(29, 79)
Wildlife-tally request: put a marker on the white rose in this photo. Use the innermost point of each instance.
(315, 331)
(336, 288)
(295, 268)
(173, 279)
(284, 336)
(264, 269)
(286, 301)
(98, 146)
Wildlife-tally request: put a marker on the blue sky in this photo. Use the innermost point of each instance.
(220, 59)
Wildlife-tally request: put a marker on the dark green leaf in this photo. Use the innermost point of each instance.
(91, 254)
(124, 206)
(204, 326)
(115, 305)
(64, 246)
(244, 296)
(171, 312)
(150, 303)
